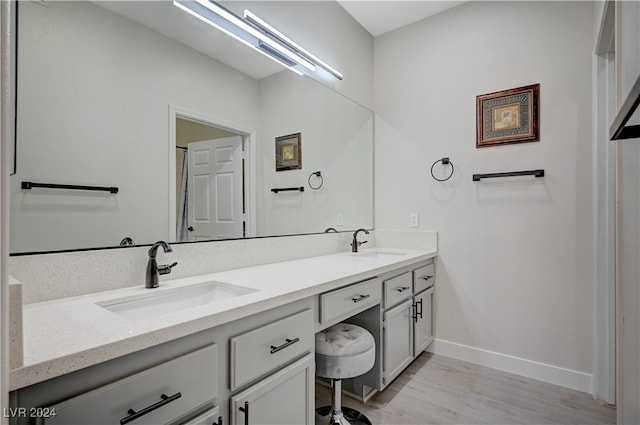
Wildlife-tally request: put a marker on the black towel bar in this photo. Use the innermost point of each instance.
(537, 173)
(288, 189)
(31, 185)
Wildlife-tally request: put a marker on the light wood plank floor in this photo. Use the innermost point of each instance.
(440, 390)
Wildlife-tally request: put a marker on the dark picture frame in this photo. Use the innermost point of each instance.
(508, 116)
(289, 152)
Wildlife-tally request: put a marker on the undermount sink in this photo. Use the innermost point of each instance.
(379, 254)
(173, 300)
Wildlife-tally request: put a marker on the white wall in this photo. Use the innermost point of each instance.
(514, 266)
(337, 136)
(136, 73)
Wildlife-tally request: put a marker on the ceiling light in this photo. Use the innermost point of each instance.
(274, 33)
(232, 25)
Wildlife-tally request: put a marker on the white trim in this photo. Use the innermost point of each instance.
(250, 163)
(540, 371)
(604, 208)
(7, 133)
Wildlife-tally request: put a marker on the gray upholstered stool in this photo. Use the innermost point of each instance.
(343, 351)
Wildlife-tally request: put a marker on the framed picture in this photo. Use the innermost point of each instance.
(508, 116)
(289, 152)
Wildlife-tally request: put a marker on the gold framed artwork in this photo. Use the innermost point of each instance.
(508, 116)
(289, 152)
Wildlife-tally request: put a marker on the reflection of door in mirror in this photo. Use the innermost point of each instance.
(215, 193)
(210, 182)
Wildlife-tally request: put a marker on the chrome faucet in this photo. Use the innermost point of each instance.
(153, 269)
(355, 244)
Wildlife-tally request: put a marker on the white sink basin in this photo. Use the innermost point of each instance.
(379, 254)
(173, 300)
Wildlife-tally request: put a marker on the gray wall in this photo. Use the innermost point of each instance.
(514, 265)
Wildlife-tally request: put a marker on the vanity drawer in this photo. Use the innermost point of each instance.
(157, 395)
(423, 278)
(397, 289)
(347, 301)
(264, 349)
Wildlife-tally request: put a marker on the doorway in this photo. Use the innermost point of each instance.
(212, 183)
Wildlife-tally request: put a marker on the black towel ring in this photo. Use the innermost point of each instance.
(319, 175)
(444, 161)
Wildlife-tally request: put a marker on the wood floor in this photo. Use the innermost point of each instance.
(440, 390)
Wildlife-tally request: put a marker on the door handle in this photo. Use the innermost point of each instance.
(245, 410)
(190, 228)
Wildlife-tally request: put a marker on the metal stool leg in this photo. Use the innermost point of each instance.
(336, 414)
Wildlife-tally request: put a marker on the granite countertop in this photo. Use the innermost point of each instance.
(64, 335)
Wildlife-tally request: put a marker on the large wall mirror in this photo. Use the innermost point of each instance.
(127, 94)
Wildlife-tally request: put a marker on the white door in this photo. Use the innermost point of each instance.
(215, 189)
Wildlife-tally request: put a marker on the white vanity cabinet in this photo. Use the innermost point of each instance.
(160, 395)
(284, 398)
(407, 317)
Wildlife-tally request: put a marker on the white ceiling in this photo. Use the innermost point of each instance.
(379, 17)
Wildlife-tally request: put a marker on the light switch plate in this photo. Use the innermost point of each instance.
(414, 220)
(340, 219)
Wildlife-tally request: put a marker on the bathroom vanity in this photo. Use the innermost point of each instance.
(248, 352)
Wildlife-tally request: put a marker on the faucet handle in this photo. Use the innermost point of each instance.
(166, 268)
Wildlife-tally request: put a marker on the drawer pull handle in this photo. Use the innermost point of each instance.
(219, 421)
(402, 288)
(426, 276)
(288, 342)
(133, 415)
(360, 298)
(245, 410)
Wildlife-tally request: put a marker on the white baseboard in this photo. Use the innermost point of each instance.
(542, 372)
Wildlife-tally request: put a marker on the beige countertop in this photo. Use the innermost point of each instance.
(64, 335)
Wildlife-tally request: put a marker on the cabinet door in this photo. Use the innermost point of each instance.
(423, 321)
(286, 397)
(398, 340)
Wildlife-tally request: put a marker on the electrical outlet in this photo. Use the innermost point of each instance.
(340, 219)
(414, 220)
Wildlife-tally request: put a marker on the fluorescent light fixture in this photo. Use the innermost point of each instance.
(251, 17)
(210, 12)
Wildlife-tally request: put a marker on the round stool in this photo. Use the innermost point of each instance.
(343, 351)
